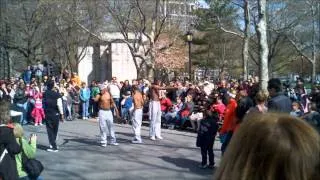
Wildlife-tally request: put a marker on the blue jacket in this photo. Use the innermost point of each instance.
(280, 103)
(128, 103)
(85, 94)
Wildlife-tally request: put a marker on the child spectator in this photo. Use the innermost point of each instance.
(206, 135)
(296, 110)
(218, 107)
(38, 112)
(173, 111)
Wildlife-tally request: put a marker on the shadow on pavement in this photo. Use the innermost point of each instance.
(189, 164)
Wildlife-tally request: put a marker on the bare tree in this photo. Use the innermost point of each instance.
(263, 44)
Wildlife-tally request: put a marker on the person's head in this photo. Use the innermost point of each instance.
(295, 106)
(261, 97)
(272, 146)
(22, 86)
(126, 82)
(313, 107)
(189, 98)
(4, 112)
(83, 84)
(178, 99)
(114, 79)
(274, 86)
(18, 130)
(50, 85)
(157, 82)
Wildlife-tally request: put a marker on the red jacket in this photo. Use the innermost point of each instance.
(229, 123)
(165, 104)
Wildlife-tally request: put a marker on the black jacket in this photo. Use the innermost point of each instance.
(8, 167)
(313, 118)
(279, 103)
(207, 132)
(244, 104)
(50, 99)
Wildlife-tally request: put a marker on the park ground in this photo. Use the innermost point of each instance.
(80, 157)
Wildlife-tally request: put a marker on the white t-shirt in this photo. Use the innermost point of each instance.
(114, 90)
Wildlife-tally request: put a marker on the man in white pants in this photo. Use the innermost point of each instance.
(106, 117)
(155, 110)
(137, 115)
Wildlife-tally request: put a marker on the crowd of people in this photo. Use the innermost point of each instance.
(207, 108)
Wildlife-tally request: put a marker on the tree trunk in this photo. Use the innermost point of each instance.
(263, 45)
(314, 48)
(245, 47)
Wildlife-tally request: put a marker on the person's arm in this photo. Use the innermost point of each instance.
(97, 98)
(115, 107)
(60, 108)
(30, 148)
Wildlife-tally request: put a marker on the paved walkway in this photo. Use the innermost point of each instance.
(80, 157)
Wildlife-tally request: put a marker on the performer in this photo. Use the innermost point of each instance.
(137, 114)
(155, 110)
(106, 103)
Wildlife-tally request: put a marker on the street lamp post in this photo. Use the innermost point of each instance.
(189, 40)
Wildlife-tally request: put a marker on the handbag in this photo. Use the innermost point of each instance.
(31, 166)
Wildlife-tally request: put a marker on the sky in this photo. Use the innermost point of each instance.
(202, 3)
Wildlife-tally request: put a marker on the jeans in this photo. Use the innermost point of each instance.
(24, 113)
(125, 113)
(226, 140)
(85, 108)
(106, 122)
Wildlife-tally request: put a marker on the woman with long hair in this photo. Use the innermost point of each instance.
(270, 147)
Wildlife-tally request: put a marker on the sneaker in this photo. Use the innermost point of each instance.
(203, 166)
(52, 147)
(52, 150)
(35, 124)
(152, 138)
(114, 144)
(41, 124)
(211, 166)
(136, 142)
(103, 145)
(160, 137)
(84, 118)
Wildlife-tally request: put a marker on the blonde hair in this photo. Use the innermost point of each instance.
(18, 130)
(262, 96)
(272, 146)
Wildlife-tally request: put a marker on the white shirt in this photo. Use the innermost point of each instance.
(114, 90)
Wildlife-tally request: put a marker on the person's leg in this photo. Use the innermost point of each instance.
(55, 131)
(24, 114)
(83, 104)
(204, 155)
(136, 124)
(226, 141)
(152, 118)
(158, 120)
(109, 117)
(103, 127)
(87, 109)
(50, 131)
(211, 155)
(193, 120)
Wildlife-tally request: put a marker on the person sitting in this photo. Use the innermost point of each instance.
(272, 146)
(185, 112)
(29, 148)
(171, 115)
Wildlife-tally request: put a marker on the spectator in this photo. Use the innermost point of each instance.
(27, 75)
(29, 148)
(218, 107)
(229, 123)
(278, 102)
(8, 145)
(75, 79)
(85, 97)
(171, 115)
(38, 112)
(20, 100)
(126, 107)
(313, 117)
(114, 90)
(272, 146)
(93, 106)
(186, 111)
(244, 103)
(206, 136)
(260, 99)
(296, 110)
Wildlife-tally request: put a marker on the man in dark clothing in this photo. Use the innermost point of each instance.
(54, 112)
(244, 104)
(278, 102)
